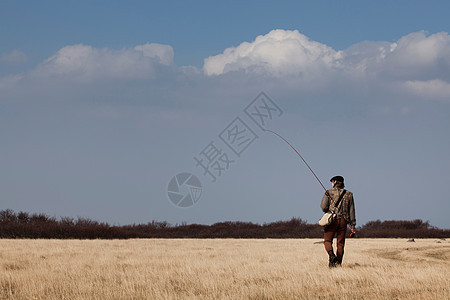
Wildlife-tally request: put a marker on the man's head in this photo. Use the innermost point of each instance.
(337, 181)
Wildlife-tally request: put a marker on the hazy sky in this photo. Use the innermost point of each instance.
(102, 103)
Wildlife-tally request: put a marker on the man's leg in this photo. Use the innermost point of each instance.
(340, 239)
(328, 236)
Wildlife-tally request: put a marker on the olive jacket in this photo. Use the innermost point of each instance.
(347, 210)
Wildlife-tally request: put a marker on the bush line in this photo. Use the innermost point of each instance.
(32, 226)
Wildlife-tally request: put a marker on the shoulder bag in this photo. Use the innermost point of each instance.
(330, 216)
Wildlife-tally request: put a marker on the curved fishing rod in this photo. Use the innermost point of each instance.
(353, 233)
(302, 160)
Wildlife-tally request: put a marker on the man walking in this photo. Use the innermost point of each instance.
(345, 216)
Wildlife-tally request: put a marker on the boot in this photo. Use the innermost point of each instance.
(339, 258)
(333, 259)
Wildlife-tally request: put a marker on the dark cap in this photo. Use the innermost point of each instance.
(337, 178)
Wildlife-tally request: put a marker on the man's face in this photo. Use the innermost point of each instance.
(333, 183)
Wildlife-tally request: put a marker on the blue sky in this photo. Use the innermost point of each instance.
(102, 103)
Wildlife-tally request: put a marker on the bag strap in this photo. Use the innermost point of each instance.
(338, 203)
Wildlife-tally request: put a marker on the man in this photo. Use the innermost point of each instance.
(345, 215)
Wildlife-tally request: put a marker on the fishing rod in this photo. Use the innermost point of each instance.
(326, 192)
(353, 233)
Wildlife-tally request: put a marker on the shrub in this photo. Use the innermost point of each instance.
(24, 225)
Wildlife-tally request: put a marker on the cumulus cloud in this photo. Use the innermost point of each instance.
(420, 57)
(163, 53)
(62, 73)
(85, 62)
(418, 62)
(280, 52)
(434, 89)
(364, 58)
(285, 52)
(14, 56)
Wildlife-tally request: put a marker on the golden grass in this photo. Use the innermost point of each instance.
(222, 269)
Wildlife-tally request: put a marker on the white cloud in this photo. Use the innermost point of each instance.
(88, 63)
(420, 57)
(163, 53)
(364, 58)
(286, 53)
(417, 62)
(14, 56)
(280, 52)
(419, 50)
(414, 56)
(61, 74)
(282, 59)
(434, 89)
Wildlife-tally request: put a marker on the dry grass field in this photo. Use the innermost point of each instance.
(222, 269)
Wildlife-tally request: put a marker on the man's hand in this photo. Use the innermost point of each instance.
(353, 233)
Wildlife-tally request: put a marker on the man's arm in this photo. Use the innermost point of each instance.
(352, 213)
(325, 204)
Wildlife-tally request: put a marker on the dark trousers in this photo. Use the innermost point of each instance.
(338, 227)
